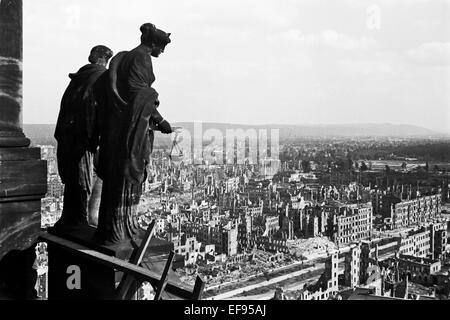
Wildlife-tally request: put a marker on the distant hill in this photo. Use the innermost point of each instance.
(330, 130)
(42, 134)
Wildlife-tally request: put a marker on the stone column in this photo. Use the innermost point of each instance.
(11, 134)
(23, 175)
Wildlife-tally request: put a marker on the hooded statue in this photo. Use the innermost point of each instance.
(130, 116)
(77, 133)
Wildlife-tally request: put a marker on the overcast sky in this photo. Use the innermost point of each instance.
(257, 61)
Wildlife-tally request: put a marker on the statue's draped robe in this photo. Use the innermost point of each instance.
(77, 133)
(126, 143)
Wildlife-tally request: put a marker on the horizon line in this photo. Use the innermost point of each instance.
(295, 124)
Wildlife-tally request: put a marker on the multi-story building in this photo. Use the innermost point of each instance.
(192, 250)
(254, 211)
(232, 184)
(55, 187)
(416, 243)
(400, 213)
(425, 242)
(198, 230)
(229, 241)
(184, 244)
(160, 225)
(245, 231)
(351, 223)
(48, 153)
(313, 221)
(439, 241)
(296, 216)
(272, 245)
(224, 237)
(272, 225)
(420, 270)
(310, 226)
(256, 194)
(352, 267)
(376, 197)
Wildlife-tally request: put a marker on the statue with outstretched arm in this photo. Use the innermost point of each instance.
(130, 116)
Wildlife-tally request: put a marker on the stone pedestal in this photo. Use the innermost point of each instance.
(75, 277)
(23, 182)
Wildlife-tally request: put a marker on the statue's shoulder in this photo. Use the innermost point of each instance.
(118, 57)
(141, 53)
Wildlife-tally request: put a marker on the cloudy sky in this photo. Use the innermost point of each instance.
(258, 61)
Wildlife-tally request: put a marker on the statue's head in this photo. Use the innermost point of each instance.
(154, 38)
(100, 55)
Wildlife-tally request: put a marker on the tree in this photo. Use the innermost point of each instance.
(387, 169)
(350, 162)
(363, 167)
(306, 166)
(341, 165)
(404, 165)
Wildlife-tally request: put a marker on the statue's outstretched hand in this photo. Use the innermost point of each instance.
(165, 127)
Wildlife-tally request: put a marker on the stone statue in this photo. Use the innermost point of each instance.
(77, 133)
(126, 142)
